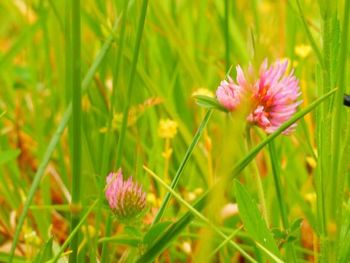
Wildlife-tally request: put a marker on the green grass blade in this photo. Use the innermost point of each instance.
(124, 125)
(76, 123)
(55, 139)
(182, 165)
(130, 88)
(74, 232)
(309, 35)
(339, 114)
(275, 163)
(253, 221)
(199, 215)
(227, 34)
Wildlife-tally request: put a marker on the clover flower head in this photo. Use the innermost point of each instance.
(275, 97)
(125, 197)
(229, 93)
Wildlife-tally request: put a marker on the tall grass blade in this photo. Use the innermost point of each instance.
(55, 138)
(121, 139)
(76, 123)
(182, 165)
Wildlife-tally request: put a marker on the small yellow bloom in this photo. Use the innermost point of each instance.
(311, 197)
(151, 198)
(302, 50)
(167, 128)
(89, 231)
(311, 161)
(203, 91)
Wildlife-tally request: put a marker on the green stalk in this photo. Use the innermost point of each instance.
(258, 180)
(227, 33)
(309, 35)
(223, 243)
(339, 116)
(121, 138)
(76, 125)
(275, 163)
(107, 139)
(104, 166)
(129, 92)
(327, 178)
(73, 233)
(182, 166)
(55, 139)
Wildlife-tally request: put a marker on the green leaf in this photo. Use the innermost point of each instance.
(122, 239)
(296, 225)
(45, 252)
(253, 221)
(132, 231)
(155, 231)
(278, 234)
(209, 103)
(171, 233)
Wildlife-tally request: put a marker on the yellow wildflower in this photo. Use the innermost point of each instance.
(302, 50)
(203, 91)
(167, 128)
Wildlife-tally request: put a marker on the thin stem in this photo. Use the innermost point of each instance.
(257, 177)
(207, 142)
(199, 215)
(327, 179)
(121, 138)
(107, 139)
(55, 139)
(74, 232)
(227, 33)
(309, 35)
(76, 125)
(339, 145)
(275, 163)
(167, 156)
(182, 166)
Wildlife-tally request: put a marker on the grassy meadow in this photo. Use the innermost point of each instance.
(91, 87)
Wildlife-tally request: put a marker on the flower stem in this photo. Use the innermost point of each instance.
(182, 166)
(278, 187)
(257, 176)
(122, 134)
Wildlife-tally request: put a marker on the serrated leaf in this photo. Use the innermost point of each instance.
(253, 221)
